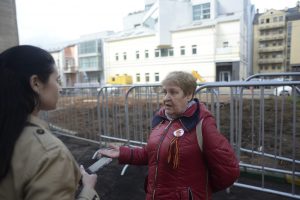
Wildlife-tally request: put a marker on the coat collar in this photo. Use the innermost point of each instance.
(189, 118)
(38, 122)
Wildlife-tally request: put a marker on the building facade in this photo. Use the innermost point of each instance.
(58, 56)
(211, 37)
(70, 69)
(276, 42)
(8, 25)
(90, 58)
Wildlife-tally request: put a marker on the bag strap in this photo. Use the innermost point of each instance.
(199, 134)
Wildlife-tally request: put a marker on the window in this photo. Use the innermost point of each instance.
(88, 62)
(267, 20)
(273, 66)
(117, 56)
(156, 75)
(146, 54)
(138, 77)
(281, 18)
(194, 49)
(201, 11)
(182, 50)
(137, 55)
(262, 21)
(147, 77)
(225, 44)
(163, 52)
(266, 67)
(124, 56)
(87, 47)
(275, 19)
(156, 53)
(171, 52)
(69, 62)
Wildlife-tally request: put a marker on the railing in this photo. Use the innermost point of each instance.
(271, 25)
(262, 127)
(271, 37)
(271, 49)
(71, 69)
(270, 60)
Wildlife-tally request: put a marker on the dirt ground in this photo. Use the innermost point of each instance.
(112, 186)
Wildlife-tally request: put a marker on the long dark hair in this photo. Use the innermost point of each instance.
(17, 98)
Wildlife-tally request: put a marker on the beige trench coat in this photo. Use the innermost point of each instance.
(42, 168)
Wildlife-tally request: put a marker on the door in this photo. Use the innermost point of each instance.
(225, 76)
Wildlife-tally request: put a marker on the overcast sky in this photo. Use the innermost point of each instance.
(46, 22)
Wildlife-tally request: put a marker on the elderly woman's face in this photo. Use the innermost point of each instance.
(175, 101)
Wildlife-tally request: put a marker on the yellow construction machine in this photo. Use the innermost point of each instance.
(120, 80)
(198, 76)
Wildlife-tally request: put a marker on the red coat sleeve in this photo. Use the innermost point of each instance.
(133, 156)
(222, 163)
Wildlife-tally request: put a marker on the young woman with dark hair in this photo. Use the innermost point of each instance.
(34, 164)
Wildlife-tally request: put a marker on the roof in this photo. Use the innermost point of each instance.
(131, 33)
(291, 14)
(201, 24)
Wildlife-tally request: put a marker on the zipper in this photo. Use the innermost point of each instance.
(157, 155)
(183, 125)
(190, 194)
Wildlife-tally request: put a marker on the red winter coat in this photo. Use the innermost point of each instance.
(189, 179)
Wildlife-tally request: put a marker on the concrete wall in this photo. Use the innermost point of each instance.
(8, 24)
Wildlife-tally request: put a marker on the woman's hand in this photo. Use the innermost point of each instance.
(113, 151)
(88, 180)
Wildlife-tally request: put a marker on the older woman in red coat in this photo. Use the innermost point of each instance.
(178, 167)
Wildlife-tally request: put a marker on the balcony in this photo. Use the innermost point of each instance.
(270, 60)
(71, 69)
(271, 37)
(271, 25)
(90, 68)
(271, 49)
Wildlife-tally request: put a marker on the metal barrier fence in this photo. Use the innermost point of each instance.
(262, 126)
(264, 129)
(76, 113)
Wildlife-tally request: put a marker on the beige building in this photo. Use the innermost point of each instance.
(276, 41)
(8, 24)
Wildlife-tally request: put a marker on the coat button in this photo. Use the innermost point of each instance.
(40, 131)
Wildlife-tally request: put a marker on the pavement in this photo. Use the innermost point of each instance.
(112, 186)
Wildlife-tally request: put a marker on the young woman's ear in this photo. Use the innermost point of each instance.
(35, 83)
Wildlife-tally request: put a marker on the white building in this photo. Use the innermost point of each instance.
(90, 57)
(58, 56)
(80, 62)
(212, 37)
